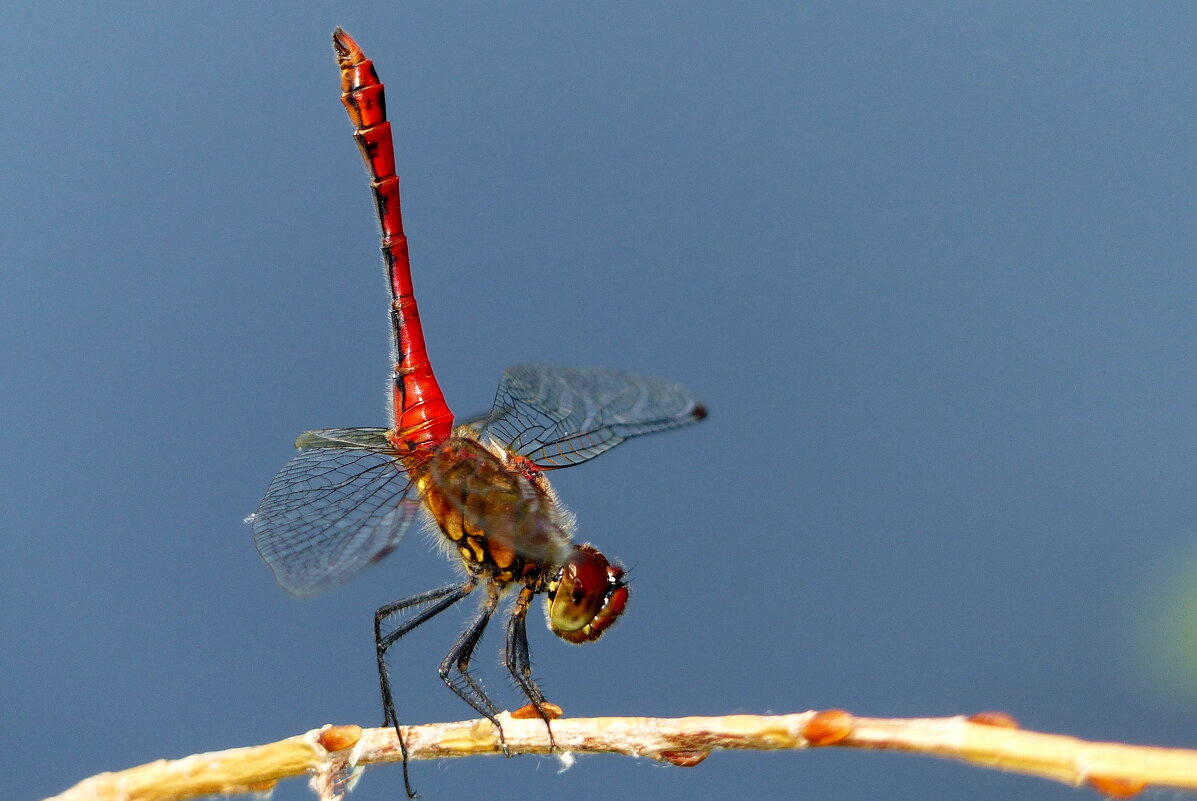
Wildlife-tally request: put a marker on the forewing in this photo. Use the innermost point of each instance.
(562, 416)
(340, 504)
(477, 422)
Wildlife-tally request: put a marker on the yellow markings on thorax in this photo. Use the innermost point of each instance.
(487, 508)
(503, 557)
(474, 549)
(471, 542)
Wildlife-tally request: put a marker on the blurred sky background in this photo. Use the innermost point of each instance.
(930, 265)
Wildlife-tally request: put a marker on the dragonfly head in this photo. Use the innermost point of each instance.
(586, 596)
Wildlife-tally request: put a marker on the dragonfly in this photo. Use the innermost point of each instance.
(347, 497)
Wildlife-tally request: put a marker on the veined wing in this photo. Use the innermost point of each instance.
(562, 416)
(341, 504)
(477, 422)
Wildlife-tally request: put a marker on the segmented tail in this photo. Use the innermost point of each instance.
(422, 418)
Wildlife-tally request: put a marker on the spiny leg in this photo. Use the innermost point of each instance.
(519, 663)
(444, 597)
(458, 661)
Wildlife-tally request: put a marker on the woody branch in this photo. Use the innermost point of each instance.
(334, 755)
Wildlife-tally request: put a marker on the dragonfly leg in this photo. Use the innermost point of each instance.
(455, 667)
(519, 663)
(441, 599)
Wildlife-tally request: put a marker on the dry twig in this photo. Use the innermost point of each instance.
(334, 755)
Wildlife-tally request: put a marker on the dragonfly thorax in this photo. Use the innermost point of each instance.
(498, 513)
(503, 520)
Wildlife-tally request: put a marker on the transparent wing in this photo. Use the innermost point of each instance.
(562, 416)
(476, 422)
(341, 504)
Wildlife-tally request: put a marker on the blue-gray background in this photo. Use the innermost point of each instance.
(930, 266)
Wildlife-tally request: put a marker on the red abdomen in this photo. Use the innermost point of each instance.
(422, 418)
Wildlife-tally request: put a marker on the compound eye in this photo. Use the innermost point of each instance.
(581, 590)
(587, 597)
